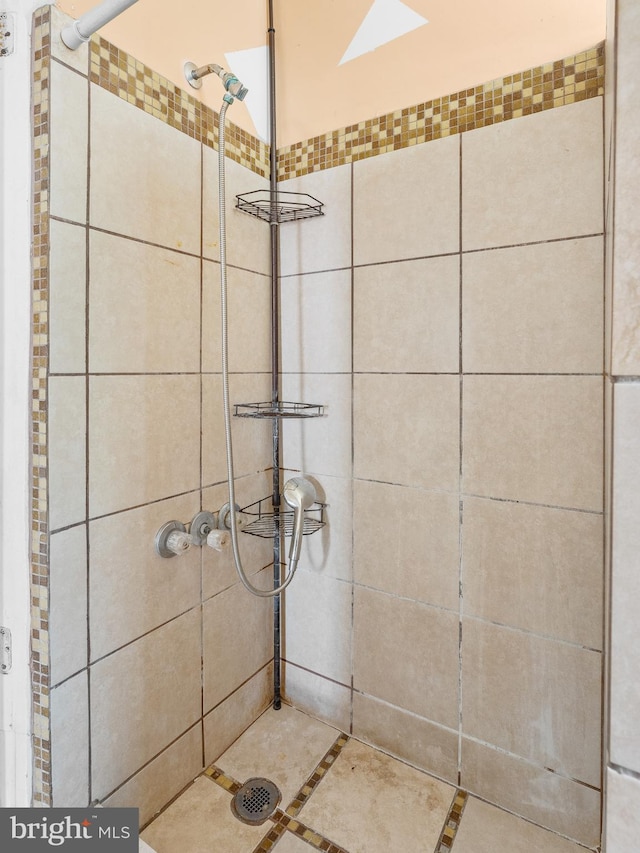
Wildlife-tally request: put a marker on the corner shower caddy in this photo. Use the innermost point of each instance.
(275, 208)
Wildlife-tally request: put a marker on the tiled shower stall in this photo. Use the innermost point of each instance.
(447, 310)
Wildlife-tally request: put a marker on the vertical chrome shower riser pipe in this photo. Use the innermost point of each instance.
(275, 355)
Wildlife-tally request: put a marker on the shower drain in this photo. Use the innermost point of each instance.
(256, 801)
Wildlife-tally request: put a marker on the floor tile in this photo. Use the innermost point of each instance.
(200, 821)
(284, 746)
(485, 829)
(372, 803)
(290, 843)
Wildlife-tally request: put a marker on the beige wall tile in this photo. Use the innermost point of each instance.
(406, 430)
(545, 798)
(534, 438)
(142, 698)
(323, 699)
(284, 746)
(164, 777)
(218, 567)
(405, 541)
(247, 237)
(538, 178)
(248, 320)
(406, 653)
(211, 317)
(68, 143)
(534, 309)
(320, 446)
(535, 568)
(145, 175)
(623, 812)
(534, 697)
(407, 736)
(626, 260)
(252, 442)
(145, 430)
(67, 298)
(406, 317)
(625, 577)
(70, 743)
(68, 602)
(78, 58)
(482, 824)
(328, 552)
(132, 589)
(249, 326)
(144, 308)
(406, 203)
(324, 242)
(232, 656)
(67, 447)
(317, 626)
(316, 322)
(230, 718)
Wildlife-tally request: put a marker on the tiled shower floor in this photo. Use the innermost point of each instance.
(338, 795)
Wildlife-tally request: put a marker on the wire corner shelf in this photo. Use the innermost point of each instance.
(286, 207)
(278, 410)
(266, 522)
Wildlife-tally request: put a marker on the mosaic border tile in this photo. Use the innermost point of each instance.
(287, 821)
(317, 776)
(119, 73)
(574, 78)
(452, 823)
(40, 363)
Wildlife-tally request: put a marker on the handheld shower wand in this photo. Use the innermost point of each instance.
(300, 495)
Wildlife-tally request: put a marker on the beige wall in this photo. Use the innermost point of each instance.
(623, 410)
(465, 43)
(448, 311)
(146, 665)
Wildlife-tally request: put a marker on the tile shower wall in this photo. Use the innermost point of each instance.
(148, 678)
(448, 311)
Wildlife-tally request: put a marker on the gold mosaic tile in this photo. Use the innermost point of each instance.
(317, 776)
(39, 475)
(117, 72)
(554, 84)
(452, 823)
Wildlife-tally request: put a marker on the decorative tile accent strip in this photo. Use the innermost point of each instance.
(316, 777)
(554, 84)
(227, 782)
(271, 838)
(126, 77)
(40, 359)
(452, 823)
(309, 835)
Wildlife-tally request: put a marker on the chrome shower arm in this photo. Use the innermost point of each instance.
(194, 75)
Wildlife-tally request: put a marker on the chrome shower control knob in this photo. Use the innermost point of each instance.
(172, 540)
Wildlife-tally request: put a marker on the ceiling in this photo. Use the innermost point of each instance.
(342, 61)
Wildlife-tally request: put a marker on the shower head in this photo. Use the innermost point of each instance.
(231, 83)
(299, 492)
(300, 495)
